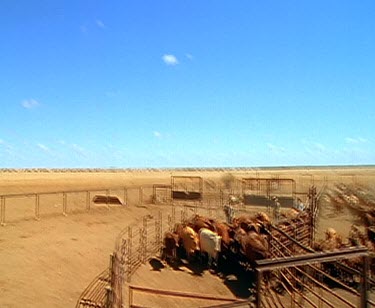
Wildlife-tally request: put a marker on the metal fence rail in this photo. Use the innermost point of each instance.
(95, 295)
(17, 207)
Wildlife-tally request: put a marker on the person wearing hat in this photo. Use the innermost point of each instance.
(276, 209)
(229, 213)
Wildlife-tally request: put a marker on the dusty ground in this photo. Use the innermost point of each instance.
(48, 263)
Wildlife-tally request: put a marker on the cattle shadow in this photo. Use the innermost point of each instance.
(238, 286)
(195, 267)
(239, 281)
(156, 264)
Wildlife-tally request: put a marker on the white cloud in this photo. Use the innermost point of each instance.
(320, 147)
(170, 59)
(79, 150)
(358, 140)
(30, 103)
(100, 24)
(43, 147)
(157, 134)
(275, 149)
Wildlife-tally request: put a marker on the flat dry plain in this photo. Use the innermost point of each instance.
(49, 262)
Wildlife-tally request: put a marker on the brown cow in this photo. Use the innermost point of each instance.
(248, 223)
(190, 240)
(223, 230)
(332, 241)
(253, 245)
(290, 214)
(198, 222)
(170, 246)
(262, 218)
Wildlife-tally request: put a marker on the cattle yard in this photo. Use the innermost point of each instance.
(297, 269)
(292, 274)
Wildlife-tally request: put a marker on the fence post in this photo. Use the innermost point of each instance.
(145, 238)
(88, 203)
(130, 251)
(125, 196)
(141, 195)
(364, 284)
(2, 210)
(170, 226)
(64, 203)
(37, 216)
(130, 296)
(112, 278)
(173, 215)
(158, 228)
(141, 247)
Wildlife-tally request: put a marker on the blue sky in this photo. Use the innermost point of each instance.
(186, 83)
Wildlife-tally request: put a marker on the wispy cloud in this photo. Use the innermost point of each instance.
(357, 140)
(79, 150)
(43, 147)
(189, 56)
(157, 134)
(100, 24)
(319, 147)
(30, 103)
(170, 59)
(275, 149)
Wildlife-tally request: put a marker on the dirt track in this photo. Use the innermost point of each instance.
(50, 262)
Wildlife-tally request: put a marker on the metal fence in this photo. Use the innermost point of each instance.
(18, 207)
(303, 277)
(137, 243)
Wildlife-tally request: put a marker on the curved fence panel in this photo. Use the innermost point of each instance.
(95, 295)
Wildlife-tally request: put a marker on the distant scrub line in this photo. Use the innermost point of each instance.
(187, 169)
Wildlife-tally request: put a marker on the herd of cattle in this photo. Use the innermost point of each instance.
(211, 241)
(202, 239)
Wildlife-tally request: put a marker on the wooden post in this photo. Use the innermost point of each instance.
(109, 297)
(64, 203)
(364, 283)
(141, 196)
(112, 278)
(158, 232)
(173, 215)
(130, 297)
(37, 216)
(130, 243)
(2, 211)
(145, 239)
(88, 201)
(125, 196)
